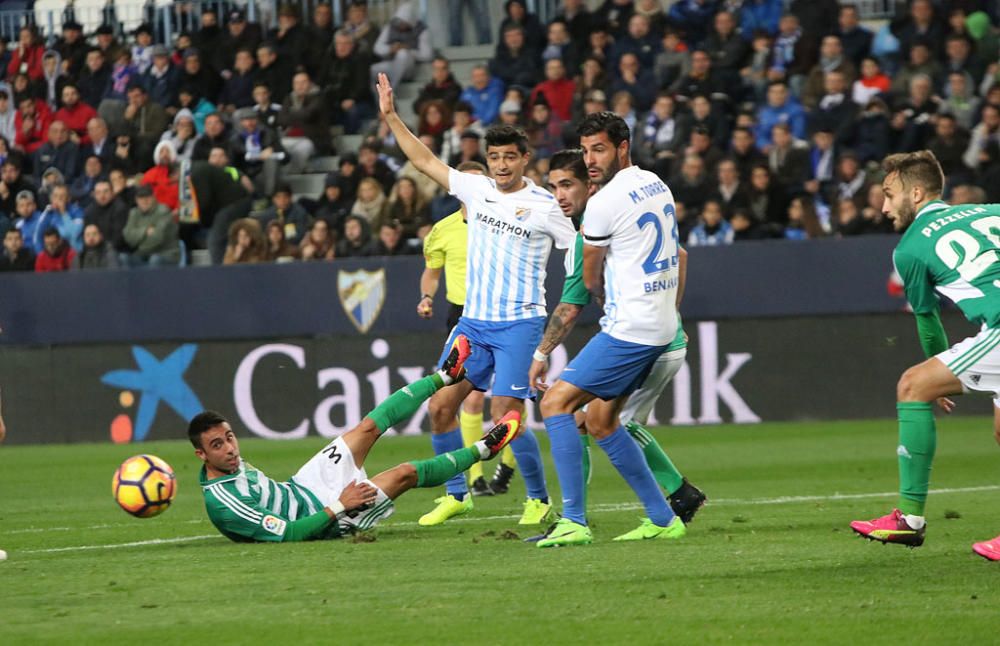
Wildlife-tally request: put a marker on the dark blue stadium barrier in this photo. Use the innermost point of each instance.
(761, 279)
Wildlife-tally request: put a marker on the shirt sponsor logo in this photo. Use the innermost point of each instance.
(273, 524)
(499, 226)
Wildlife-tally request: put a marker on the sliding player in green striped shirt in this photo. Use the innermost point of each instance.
(331, 494)
(954, 251)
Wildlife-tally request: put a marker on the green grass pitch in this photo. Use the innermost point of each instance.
(769, 560)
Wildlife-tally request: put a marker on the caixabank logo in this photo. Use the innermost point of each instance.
(153, 381)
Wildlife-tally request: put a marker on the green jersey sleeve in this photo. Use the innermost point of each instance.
(918, 283)
(240, 518)
(574, 291)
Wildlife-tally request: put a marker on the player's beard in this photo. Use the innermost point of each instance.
(611, 171)
(906, 215)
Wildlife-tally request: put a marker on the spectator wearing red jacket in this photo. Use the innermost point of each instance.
(558, 89)
(163, 176)
(56, 255)
(75, 114)
(32, 124)
(26, 57)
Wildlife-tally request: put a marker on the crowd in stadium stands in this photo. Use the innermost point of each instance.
(766, 120)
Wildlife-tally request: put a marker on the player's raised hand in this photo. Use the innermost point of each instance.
(386, 104)
(358, 495)
(537, 373)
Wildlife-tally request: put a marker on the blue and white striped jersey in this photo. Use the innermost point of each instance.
(634, 216)
(510, 237)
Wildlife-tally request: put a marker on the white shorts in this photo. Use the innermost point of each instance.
(329, 472)
(640, 404)
(976, 362)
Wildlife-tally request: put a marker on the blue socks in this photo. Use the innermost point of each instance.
(627, 457)
(529, 461)
(567, 453)
(443, 443)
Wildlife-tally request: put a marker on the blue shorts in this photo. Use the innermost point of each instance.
(502, 350)
(609, 368)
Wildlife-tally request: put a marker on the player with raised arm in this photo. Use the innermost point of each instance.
(569, 182)
(955, 251)
(512, 226)
(445, 250)
(631, 263)
(331, 494)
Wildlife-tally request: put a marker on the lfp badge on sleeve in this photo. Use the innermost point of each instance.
(362, 294)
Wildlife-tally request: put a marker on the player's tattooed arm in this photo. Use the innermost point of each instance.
(562, 321)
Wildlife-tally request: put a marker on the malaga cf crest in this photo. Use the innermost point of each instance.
(362, 294)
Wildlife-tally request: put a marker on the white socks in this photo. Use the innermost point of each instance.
(915, 522)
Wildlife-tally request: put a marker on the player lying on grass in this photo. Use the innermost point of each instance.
(569, 182)
(331, 494)
(954, 250)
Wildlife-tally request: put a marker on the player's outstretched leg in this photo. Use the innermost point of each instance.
(406, 401)
(685, 498)
(435, 471)
(917, 388)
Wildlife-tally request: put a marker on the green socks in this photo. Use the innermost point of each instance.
(403, 403)
(587, 469)
(917, 442)
(663, 469)
(439, 469)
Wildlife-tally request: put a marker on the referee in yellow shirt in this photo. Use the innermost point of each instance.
(446, 247)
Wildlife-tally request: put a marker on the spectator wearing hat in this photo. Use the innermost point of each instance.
(56, 254)
(97, 252)
(59, 153)
(146, 121)
(161, 79)
(273, 71)
(163, 177)
(344, 83)
(53, 80)
(514, 62)
(72, 48)
(107, 43)
(292, 217)
(256, 150)
(75, 114)
(557, 89)
(303, 121)
(290, 37)
(108, 213)
(240, 34)
(26, 56)
(403, 43)
(151, 231)
(484, 94)
(15, 256)
(237, 90)
(31, 222)
(32, 124)
(95, 80)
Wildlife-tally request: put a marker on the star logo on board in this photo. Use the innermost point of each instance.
(156, 381)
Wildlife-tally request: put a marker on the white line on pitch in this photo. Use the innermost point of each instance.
(474, 519)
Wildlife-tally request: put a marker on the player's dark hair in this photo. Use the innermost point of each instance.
(572, 160)
(506, 135)
(607, 122)
(920, 168)
(202, 422)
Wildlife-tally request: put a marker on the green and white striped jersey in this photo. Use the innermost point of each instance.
(954, 250)
(249, 506)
